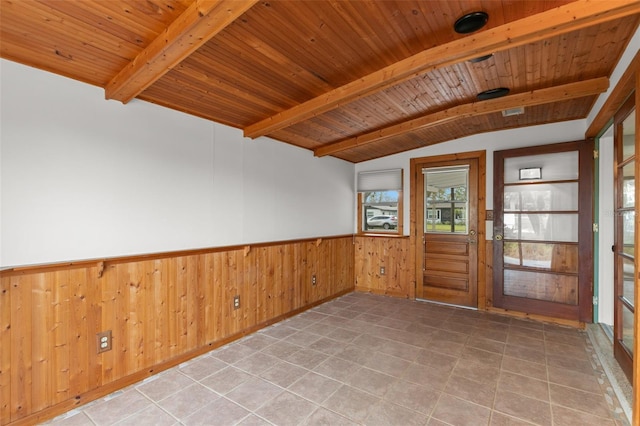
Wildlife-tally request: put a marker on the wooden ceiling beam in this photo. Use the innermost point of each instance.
(561, 20)
(201, 21)
(535, 97)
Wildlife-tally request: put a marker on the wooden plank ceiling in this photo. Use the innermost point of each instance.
(356, 80)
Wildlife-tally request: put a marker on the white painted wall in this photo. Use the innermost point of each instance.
(84, 178)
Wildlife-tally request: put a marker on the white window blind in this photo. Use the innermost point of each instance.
(380, 180)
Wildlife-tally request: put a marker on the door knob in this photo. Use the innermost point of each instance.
(498, 237)
(472, 232)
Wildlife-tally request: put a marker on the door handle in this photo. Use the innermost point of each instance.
(497, 237)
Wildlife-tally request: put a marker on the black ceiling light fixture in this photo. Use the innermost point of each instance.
(493, 93)
(471, 22)
(481, 58)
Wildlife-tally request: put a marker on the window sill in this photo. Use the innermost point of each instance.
(380, 234)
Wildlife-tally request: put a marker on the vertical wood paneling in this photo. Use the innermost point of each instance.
(78, 336)
(61, 317)
(41, 341)
(391, 252)
(5, 347)
(20, 343)
(158, 310)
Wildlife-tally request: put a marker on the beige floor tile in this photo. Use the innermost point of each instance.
(356, 354)
(165, 384)
(563, 416)
(303, 338)
(253, 393)
(456, 411)
(278, 331)
(202, 367)
(371, 381)
(337, 368)
(413, 396)
(283, 373)
(486, 344)
(256, 363)
(117, 407)
(232, 353)
(525, 368)
(499, 419)
(153, 415)
(190, 399)
(524, 353)
(226, 380)
(324, 417)
(387, 364)
(287, 409)
(327, 346)
(427, 376)
(253, 420)
(220, 412)
(527, 386)
(469, 390)
(400, 350)
(523, 407)
(385, 413)
(477, 371)
(281, 349)
(307, 358)
(258, 341)
(490, 359)
(314, 387)
(578, 400)
(351, 403)
(574, 379)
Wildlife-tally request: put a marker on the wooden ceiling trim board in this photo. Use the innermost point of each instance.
(561, 20)
(193, 28)
(616, 99)
(535, 97)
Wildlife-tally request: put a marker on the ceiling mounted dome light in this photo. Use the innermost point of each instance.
(493, 93)
(471, 22)
(481, 58)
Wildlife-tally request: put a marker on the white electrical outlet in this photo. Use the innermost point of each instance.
(103, 341)
(236, 302)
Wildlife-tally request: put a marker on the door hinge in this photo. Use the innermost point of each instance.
(595, 300)
(596, 153)
(595, 227)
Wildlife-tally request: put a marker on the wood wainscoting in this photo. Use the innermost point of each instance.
(391, 253)
(161, 309)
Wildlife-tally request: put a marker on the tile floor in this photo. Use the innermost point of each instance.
(374, 360)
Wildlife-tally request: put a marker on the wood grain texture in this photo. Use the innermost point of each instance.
(161, 311)
(373, 252)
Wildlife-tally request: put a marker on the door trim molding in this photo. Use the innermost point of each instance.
(415, 239)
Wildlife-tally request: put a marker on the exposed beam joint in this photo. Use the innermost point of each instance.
(201, 21)
(570, 17)
(535, 97)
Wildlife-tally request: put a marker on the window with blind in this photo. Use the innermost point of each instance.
(380, 201)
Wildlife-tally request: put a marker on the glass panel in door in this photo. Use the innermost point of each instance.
(624, 248)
